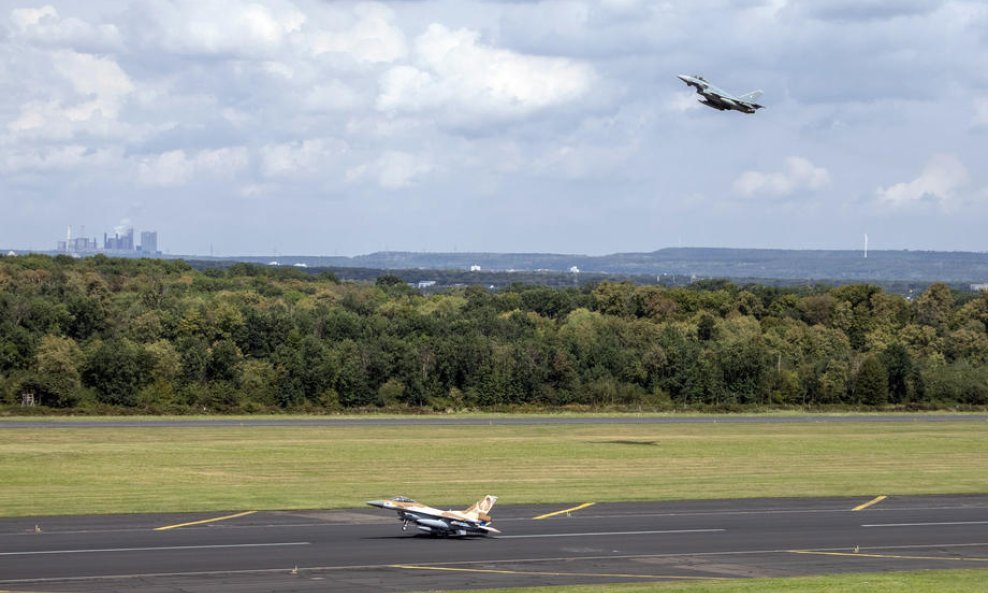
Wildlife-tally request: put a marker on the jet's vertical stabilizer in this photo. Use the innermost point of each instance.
(482, 506)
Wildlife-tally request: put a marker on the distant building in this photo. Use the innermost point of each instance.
(475, 268)
(574, 270)
(426, 283)
(119, 242)
(149, 242)
(980, 287)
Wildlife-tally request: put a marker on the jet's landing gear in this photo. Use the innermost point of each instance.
(404, 525)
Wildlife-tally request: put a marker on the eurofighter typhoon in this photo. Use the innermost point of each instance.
(720, 99)
(475, 520)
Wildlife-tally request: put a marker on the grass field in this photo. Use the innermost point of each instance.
(115, 469)
(939, 581)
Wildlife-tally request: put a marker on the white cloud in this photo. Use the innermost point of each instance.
(797, 174)
(372, 37)
(223, 27)
(97, 77)
(306, 156)
(453, 70)
(44, 26)
(97, 89)
(939, 183)
(28, 17)
(393, 170)
(175, 167)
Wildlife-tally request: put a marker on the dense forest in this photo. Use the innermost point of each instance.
(101, 335)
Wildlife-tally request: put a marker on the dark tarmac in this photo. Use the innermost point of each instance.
(363, 550)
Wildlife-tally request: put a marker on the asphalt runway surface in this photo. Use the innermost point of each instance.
(363, 550)
(492, 421)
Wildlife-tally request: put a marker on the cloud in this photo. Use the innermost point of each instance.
(96, 90)
(980, 111)
(57, 158)
(24, 18)
(304, 157)
(372, 37)
(44, 26)
(220, 27)
(863, 10)
(393, 170)
(175, 167)
(938, 183)
(798, 174)
(452, 70)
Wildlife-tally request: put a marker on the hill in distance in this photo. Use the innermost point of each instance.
(777, 264)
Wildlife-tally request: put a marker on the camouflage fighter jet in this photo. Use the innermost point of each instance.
(475, 520)
(720, 99)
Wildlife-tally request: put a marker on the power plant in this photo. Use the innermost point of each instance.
(120, 243)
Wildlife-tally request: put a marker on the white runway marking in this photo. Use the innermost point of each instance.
(598, 533)
(153, 549)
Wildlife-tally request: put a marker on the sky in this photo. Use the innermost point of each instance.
(317, 127)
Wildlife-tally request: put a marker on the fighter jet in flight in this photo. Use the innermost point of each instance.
(720, 99)
(475, 520)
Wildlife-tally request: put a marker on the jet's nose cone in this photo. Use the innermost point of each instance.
(683, 77)
(378, 503)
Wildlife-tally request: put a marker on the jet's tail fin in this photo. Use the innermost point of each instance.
(751, 97)
(482, 507)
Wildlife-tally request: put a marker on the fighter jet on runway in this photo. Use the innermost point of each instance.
(473, 521)
(720, 99)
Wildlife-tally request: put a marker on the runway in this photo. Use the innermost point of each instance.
(364, 549)
(524, 420)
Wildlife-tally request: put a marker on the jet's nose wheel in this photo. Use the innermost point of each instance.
(404, 525)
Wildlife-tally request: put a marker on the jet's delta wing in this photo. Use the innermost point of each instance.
(475, 520)
(719, 99)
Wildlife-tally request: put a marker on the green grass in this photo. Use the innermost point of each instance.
(939, 581)
(115, 469)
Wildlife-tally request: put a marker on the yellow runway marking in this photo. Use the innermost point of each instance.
(167, 527)
(558, 574)
(576, 508)
(893, 556)
(871, 502)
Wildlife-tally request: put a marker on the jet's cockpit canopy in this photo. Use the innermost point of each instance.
(402, 499)
(698, 77)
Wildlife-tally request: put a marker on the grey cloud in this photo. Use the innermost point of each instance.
(862, 10)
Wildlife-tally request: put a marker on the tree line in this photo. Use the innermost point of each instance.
(153, 336)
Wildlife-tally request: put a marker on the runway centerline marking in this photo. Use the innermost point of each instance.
(154, 549)
(558, 574)
(871, 502)
(600, 533)
(926, 524)
(213, 520)
(893, 556)
(570, 510)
